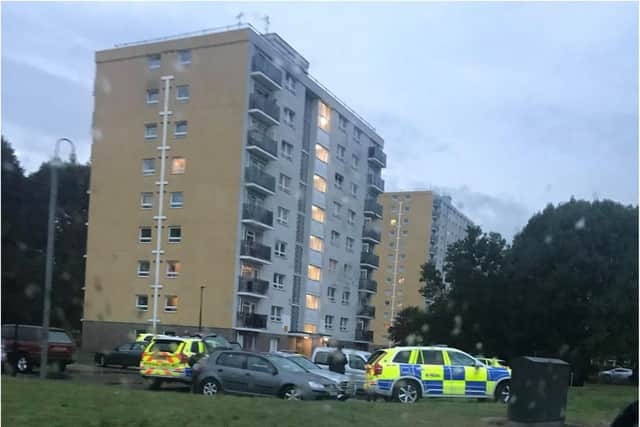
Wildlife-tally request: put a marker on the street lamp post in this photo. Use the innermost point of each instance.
(53, 199)
(200, 317)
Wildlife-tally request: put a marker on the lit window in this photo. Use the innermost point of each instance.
(317, 213)
(153, 61)
(150, 131)
(181, 128)
(354, 189)
(355, 161)
(310, 328)
(176, 199)
(143, 268)
(153, 96)
(171, 303)
(331, 294)
(276, 313)
(144, 234)
(178, 165)
(184, 57)
(340, 152)
(342, 121)
(278, 280)
(322, 153)
(319, 183)
(351, 217)
(175, 234)
(393, 221)
(287, 150)
(339, 180)
(289, 117)
(148, 166)
(333, 264)
(146, 200)
(349, 244)
(173, 269)
(314, 272)
(335, 238)
(324, 116)
(142, 302)
(182, 93)
(345, 297)
(337, 208)
(328, 322)
(312, 302)
(283, 215)
(344, 322)
(284, 183)
(316, 243)
(280, 248)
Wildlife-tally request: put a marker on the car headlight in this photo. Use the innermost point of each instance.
(316, 385)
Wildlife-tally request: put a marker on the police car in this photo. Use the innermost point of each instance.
(406, 374)
(167, 359)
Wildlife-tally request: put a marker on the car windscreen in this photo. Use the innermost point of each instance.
(284, 364)
(216, 342)
(304, 362)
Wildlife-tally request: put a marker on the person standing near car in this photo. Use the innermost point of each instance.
(337, 360)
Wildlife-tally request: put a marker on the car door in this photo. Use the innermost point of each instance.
(230, 368)
(135, 353)
(260, 373)
(356, 369)
(432, 362)
(119, 354)
(468, 376)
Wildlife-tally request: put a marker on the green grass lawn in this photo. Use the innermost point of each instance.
(32, 402)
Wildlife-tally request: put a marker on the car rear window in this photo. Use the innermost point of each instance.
(322, 358)
(377, 355)
(28, 333)
(402, 356)
(167, 346)
(59, 337)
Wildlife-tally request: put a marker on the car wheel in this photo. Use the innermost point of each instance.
(210, 387)
(23, 365)
(292, 393)
(406, 392)
(503, 392)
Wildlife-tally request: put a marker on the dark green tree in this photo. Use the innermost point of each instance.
(434, 286)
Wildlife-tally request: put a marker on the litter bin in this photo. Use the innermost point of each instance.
(538, 392)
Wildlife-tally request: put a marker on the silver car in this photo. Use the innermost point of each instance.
(241, 372)
(615, 375)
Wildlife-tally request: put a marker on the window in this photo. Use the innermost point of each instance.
(283, 215)
(328, 322)
(146, 200)
(171, 303)
(432, 357)
(178, 164)
(142, 302)
(181, 128)
(153, 96)
(324, 117)
(290, 83)
(317, 213)
(144, 234)
(331, 294)
(176, 199)
(402, 356)
(351, 217)
(184, 56)
(337, 207)
(333, 264)
(153, 61)
(173, 269)
(354, 189)
(335, 238)
(319, 183)
(287, 150)
(344, 322)
(461, 359)
(278, 281)
(310, 328)
(316, 243)
(340, 152)
(175, 234)
(273, 344)
(143, 268)
(339, 180)
(150, 131)
(355, 161)
(284, 183)
(349, 244)
(347, 269)
(280, 248)
(148, 166)
(289, 117)
(357, 133)
(232, 360)
(276, 313)
(345, 297)
(322, 153)
(405, 232)
(342, 122)
(405, 220)
(182, 93)
(356, 363)
(312, 302)
(314, 272)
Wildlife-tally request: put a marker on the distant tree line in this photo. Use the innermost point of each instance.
(567, 287)
(25, 201)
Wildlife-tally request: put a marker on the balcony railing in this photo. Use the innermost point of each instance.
(253, 286)
(362, 335)
(369, 258)
(257, 214)
(268, 108)
(262, 143)
(371, 207)
(369, 233)
(262, 65)
(377, 156)
(251, 320)
(255, 250)
(376, 182)
(253, 175)
(367, 311)
(368, 285)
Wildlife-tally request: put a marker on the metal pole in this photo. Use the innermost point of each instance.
(48, 275)
(395, 266)
(200, 317)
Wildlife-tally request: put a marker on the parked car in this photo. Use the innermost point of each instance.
(124, 355)
(169, 359)
(492, 361)
(22, 344)
(615, 375)
(355, 368)
(241, 372)
(346, 387)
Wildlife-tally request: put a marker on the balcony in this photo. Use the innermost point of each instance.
(252, 251)
(362, 335)
(368, 285)
(259, 180)
(253, 287)
(261, 145)
(251, 321)
(368, 259)
(370, 234)
(367, 311)
(266, 73)
(257, 215)
(377, 157)
(372, 208)
(376, 183)
(265, 110)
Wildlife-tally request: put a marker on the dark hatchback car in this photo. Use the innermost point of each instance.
(240, 372)
(22, 345)
(124, 355)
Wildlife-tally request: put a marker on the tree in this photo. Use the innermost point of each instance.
(434, 286)
(408, 327)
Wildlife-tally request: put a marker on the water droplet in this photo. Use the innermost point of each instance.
(580, 223)
(531, 404)
(479, 346)
(548, 239)
(326, 407)
(425, 328)
(96, 134)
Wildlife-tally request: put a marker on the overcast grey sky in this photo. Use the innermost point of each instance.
(505, 106)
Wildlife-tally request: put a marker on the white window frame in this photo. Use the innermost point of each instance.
(276, 313)
(181, 134)
(344, 323)
(335, 238)
(331, 294)
(354, 189)
(342, 122)
(349, 242)
(321, 212)
(181, 61)
(148, 171)
(290, 82)
(152, 64)
(278, 281)
(320, 184)
(147, 128)
(174, 239)
(357, 133)
(283, 215)
(183, 98)
(175, 171)
(143, 273)
(314, 298)
(287, 152)
(340, 152)
(173, 274)
(170, 308)
(343, 300)
(172, 203)
(351, 217)
(289, 117)
(338, 182)
(150, 93)
(333, 262)
(328, 322)
(143, 205)
(319, 241)
(355, 161)
(280, 248)
(144, 239)
(284, 183)
(337, 209)
(314, 267)
(142, 307)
